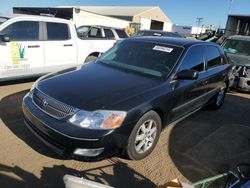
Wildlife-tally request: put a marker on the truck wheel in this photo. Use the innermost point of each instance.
(144, 136)
(218, 99)
(90, 58)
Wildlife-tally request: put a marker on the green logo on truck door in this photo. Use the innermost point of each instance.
(17, 53)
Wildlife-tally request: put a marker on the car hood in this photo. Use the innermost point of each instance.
(95, 86)
(238, 59)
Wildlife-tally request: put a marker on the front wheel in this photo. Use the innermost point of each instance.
(144, 136)
(218, 99)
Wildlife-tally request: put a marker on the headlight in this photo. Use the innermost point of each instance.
(99, 119)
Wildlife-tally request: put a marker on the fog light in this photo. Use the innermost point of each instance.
(88, 152)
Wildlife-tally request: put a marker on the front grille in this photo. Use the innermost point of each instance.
(51, 106)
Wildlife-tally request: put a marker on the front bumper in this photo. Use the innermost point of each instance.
(65, 138)
(244, 83)
(242, 78)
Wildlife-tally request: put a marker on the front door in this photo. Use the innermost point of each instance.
(24, 54)
(192, 92)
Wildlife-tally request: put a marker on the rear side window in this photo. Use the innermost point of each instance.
(23, 31)
(108, 33)
(121, 33)
(57, 31)
(194, 59)
(213, 57)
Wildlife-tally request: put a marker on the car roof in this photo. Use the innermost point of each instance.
(100, 26)
(155, 31)
(182, 42)
(240, 37)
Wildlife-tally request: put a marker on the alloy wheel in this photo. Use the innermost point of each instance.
(145, 136)
(220, 96)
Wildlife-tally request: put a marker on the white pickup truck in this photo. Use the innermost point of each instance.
(35, 45)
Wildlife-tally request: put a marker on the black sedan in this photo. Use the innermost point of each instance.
(123, 100)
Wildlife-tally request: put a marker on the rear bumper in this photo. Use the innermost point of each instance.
(64, 138)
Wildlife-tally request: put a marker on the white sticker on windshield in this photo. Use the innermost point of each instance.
(163, 49)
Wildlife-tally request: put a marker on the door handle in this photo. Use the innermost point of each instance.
(33, 46)
(67, 45)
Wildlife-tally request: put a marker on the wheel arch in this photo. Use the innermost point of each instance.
(157, 110)
(96, 54)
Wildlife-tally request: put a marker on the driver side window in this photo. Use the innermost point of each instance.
(194, 59)
(23, 31)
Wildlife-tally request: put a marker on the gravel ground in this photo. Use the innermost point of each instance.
(202, 145)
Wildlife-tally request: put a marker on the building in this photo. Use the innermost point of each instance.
(238, 25)
(188, 30)
(114, 16)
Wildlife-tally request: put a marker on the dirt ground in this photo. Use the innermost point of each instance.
(202, 145)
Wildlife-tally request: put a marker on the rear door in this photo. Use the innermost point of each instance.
(24, 54)
(216, 70)
(192, 92)
(60, 48)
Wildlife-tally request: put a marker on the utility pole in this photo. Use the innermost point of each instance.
(199, 21)
(230, 6)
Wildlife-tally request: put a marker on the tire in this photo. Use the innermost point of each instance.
(218, 99)
(144, 135)
(90, 58)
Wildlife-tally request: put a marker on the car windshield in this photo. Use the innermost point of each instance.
(237, 47)
(142, 57)
(147, 33)
(157, 34)
(2, 20)
(82, 31)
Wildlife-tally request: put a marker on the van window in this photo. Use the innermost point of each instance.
(194, 59)
(109, 33)
(22, 31)
(121, 33)
(82, 31)
(95, 32)
(57, 31)
(213, 57)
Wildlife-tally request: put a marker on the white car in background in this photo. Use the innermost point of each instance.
(35, 45)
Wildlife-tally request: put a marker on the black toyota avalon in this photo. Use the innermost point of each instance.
(123, 100)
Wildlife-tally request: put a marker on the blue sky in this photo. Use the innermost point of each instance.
(182, 12)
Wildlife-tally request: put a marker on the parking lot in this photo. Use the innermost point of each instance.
(202, 145)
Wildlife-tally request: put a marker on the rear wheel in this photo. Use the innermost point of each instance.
(218, 99)
(90, 58)
(144, 136)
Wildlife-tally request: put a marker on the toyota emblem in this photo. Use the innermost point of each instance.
(45, 103)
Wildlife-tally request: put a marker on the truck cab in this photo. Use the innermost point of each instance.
(35, 45)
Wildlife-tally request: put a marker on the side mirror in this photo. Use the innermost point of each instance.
(187, 75)
(4, 38)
